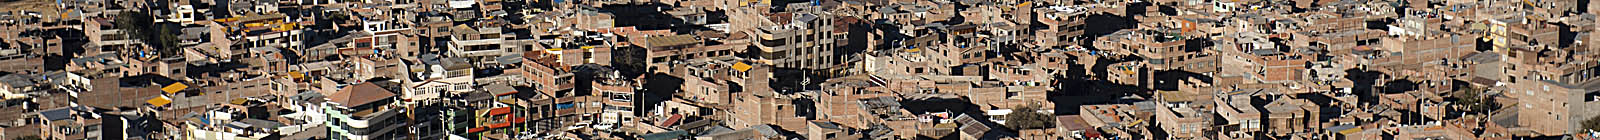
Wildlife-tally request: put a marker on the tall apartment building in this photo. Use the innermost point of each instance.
(792, 39)
(616, 95)
(1553, 108)
(582, 96)
(1064, 25)
(364, 111)
(480, 44)
(552, 79)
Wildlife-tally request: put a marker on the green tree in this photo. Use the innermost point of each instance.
(1028, 117)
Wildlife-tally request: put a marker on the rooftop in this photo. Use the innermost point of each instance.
(361, 94)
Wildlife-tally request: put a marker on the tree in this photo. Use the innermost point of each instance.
(338, 17)
(1028, 117)
(1474, 101)
(1593, 124)
(141, 26)
(630, 60)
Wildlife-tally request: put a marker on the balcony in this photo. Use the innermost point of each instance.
(780, 43)
(771, 34)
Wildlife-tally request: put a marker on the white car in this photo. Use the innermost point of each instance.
(579, 125)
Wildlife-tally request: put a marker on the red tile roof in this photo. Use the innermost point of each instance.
(671, 120)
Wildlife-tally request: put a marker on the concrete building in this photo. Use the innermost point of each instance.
(1184, 115)
(1288, 116)
(794, 39)
(365, 111)
(1242, 119)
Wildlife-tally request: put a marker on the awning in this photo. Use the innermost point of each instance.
(1351, 130)
(500, 125)
(564, 106)
(159, 101)
(515, 119)
(741, 67)
(1362, 48)
(174, 87)
(499, 111)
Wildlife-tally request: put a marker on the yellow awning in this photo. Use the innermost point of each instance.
(227, 19)
(159, 101)
(296, 75)
(1351, 130)
(284, 27)
(174, 87)
(741, 67)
